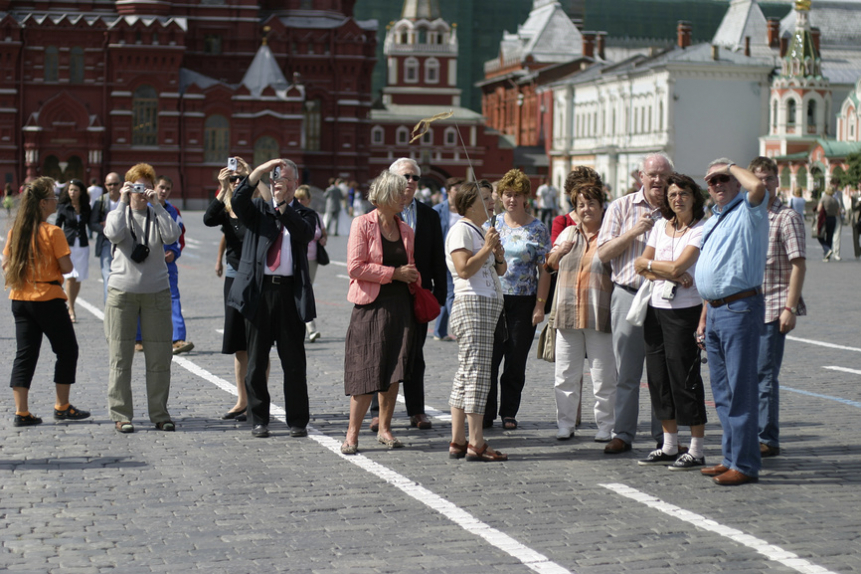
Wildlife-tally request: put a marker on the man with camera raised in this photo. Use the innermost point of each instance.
(272, 290)
(138, 289)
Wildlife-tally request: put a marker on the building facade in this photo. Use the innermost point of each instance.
(96, 86)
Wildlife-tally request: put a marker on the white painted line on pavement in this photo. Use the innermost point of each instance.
(528, 557)
(823, 344)
(844, 369)
(339, 276)
(92, 309)
(770, 551)
(338, 263)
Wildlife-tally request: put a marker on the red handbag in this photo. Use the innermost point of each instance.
(425, 305)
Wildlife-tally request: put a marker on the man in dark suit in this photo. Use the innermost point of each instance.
(273, 291)
(430, 262)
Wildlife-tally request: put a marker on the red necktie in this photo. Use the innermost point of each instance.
(273, 256)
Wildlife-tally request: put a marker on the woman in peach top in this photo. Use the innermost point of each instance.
(380, 336)
(34, 260)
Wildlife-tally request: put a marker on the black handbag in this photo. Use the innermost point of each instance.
(322, 255)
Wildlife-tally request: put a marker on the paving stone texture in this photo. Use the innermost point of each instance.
(79, 498)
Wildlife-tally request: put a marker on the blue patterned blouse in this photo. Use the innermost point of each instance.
(525, 249)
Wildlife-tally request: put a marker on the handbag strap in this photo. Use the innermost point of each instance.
(721, 216)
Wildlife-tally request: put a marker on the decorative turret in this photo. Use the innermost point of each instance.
(802, 60)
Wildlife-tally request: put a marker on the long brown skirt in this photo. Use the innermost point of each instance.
(379, 343)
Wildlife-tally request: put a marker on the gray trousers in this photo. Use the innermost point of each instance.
(121, 319)
(630, 352)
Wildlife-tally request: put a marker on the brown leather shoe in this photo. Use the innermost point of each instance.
(714, 470)
(734, 478)
(617, 446)
(375, 424)
(766, 451)
(421, 421)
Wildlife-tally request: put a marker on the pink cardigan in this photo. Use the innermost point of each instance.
(365, 258)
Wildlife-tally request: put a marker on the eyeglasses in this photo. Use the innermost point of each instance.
(410, 176)
(234, 178)
(722, 178)
(112, 183)
(681, 194)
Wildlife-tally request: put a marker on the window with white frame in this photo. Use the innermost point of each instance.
(402, 136)
(450, 136)
(411, 70)
(427, 138)
(431, 71)
(377, 135)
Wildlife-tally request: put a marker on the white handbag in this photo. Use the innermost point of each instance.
(637, 312)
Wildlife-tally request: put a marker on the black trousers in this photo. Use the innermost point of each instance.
(673, 365)
(414, 388)
(32, 320)
(277, 321)
(512, 342)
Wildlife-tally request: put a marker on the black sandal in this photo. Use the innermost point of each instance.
(509, 423)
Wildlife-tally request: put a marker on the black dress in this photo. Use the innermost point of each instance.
(379, 338)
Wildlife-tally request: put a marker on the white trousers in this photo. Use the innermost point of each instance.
(835, 243)
(572, 348)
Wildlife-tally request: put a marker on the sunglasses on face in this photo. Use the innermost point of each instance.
(410, 176)
(234, 178)
(722, 178)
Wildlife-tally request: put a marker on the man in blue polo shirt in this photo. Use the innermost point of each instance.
(729, 278)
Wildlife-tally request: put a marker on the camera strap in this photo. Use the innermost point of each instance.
(146, 229)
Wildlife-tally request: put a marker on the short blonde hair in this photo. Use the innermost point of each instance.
(303, 192)
(141, 171)
(516, 181)
(796, 192)
(386, 188)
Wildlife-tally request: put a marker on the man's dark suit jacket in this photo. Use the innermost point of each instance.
(430, 251)
(261, 220)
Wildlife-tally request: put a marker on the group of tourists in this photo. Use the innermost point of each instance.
(647, 279)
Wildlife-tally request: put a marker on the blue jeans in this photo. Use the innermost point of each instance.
(771, 344)
(732, 343)
(105, 260)
(441, 327)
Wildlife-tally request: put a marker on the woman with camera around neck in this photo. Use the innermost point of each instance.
(672, 320)
(138, 289)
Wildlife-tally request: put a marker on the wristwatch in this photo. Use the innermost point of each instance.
(793, 310)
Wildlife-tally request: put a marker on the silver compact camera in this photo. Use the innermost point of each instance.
(669, 292)
(276, 173)
(231, 163)
(138, 188)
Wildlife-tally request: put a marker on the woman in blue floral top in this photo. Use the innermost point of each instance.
(525, 287)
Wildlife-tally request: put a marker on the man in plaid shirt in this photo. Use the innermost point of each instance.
(784, 276)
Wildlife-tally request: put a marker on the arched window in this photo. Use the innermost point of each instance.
(774, 114)
(790, 113)
(811, 113)
(411, 70)
(377, 135)
(427, 138)
(216, 139)
(313, 119)
(145, 116)
(52, 64)
(402, 136)
(431, 71)
(801, 177)
(265, 148)
(450, 137)
(76, 65)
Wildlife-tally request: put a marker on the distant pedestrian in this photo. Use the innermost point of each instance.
(303, 196)
(333, 197)
(73, 215)
(35, 257)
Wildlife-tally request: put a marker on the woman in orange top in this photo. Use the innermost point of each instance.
(34, 260)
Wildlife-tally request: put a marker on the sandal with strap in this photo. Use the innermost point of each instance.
(124, 427)
(166, 426)
(484, 454)
(509, 423)
(457, 450)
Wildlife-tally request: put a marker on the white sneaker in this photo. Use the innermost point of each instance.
(314, 336)
(564, 433)
(603, 436)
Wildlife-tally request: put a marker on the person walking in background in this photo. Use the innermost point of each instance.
(448, 216)
(303, 196)
(35, 257)
(838, 223)
(547, 197)
(830, 210)
(73, 215)
(139, 293)
(220, 213)
(106, 203)
(8, 199)
(797, 202)
(333, 198)
(95, 191)
(582, 320)
(380, 336)
(525, 286)
(785, 268)
(476, 260)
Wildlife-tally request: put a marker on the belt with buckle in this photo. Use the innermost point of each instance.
(736, 297)
(277, 279)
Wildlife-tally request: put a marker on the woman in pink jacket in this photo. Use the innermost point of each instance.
(379, 339)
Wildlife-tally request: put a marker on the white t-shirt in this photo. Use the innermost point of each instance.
(453, 217)
(485, 283)
(669, 249)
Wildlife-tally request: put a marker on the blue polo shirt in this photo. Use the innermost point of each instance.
(733, 253)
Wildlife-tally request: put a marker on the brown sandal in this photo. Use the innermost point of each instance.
(457, 450)
(485, 454)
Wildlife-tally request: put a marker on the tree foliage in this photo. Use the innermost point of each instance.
(852, 175)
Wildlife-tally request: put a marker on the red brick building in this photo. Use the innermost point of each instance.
(89, 87)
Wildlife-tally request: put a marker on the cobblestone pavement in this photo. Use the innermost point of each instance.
(81, 498)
